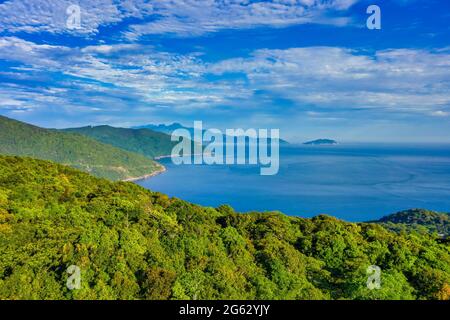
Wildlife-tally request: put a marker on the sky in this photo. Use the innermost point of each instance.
(310, 68)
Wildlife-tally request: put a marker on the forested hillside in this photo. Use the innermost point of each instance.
(99, 159)
(420, 220)
(144, 141)
(131, 243)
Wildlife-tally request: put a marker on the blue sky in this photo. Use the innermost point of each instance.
(308, 67)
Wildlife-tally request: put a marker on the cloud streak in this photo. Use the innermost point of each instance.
(400, 80)
(51, 16)
(193, 18)
(177, 17)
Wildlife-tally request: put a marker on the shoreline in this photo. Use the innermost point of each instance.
(161, 170)
(176, 156)
(162, 157)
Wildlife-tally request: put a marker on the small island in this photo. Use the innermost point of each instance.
(321, 142)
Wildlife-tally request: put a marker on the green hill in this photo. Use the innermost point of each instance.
(419, 220)
(144, 141)
(169, 129)
(102, 160)
(131, 243)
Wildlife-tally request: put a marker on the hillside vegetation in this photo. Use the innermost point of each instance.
(131, 243)
(169, 129)
(99, 159)
(420, 220)
(144, 141)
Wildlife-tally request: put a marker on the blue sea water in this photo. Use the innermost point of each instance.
(354, 182)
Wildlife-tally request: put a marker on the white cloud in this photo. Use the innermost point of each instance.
(197, 17)
(114, 75)
(395, 80)
(31, 54)
(181, 17)
(51, 16)
(337, 79)
(440, 113)
(108, 49)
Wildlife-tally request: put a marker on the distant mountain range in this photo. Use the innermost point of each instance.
(76, 150)
(168, 129)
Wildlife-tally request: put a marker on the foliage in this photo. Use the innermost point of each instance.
(131, 243)
(99, 159)
(143, 141)
(420, 220)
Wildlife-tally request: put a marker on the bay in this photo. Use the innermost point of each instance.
(354, 182)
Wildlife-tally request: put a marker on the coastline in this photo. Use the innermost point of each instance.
(161, 169)
(175, 156)
(162, 157)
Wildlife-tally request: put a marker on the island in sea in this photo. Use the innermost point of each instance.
(321, 142)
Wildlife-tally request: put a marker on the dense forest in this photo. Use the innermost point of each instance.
(420, 220)
(143, 141)
(131, 243)
(100, 159)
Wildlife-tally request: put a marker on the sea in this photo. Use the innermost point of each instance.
(351, 181)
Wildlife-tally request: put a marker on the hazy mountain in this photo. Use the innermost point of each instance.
(321, 142)
(168, 129)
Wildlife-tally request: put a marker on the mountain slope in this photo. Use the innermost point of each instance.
(418, 219)
(131, 243)
(102, 160)
(144, 141)
(168, 129)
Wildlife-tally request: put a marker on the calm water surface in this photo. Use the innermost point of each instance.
(354, 182)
